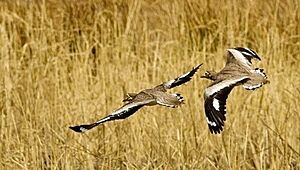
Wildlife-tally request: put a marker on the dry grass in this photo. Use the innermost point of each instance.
(70, 62)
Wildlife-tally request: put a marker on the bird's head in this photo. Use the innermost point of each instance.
(211, 75)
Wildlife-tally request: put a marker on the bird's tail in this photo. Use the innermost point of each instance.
(179, 97)
(258, 79)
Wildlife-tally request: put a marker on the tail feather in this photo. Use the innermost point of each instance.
(179, 97)
(259, 78)
(261, 72)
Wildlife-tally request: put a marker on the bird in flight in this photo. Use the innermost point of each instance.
(237, 71)
(148, 97)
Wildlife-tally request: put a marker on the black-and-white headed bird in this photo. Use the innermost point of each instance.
(237, 71)
(148, 97)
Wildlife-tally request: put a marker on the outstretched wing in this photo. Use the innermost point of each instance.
(241, 55)
(179, 80)
(215, 102)
(248, 53)
(122, 113)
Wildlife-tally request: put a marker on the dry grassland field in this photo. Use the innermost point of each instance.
(68, 62)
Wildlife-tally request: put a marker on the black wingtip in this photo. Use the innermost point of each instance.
(257, 57)
(215, 130)
(181, 79)
(197, 67)
(76, 128)
(254, 54)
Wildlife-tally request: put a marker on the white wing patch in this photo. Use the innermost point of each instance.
(251, 51)
(246, 53)
(82, 129)
(101, 120)
(221, 85)
(216, 104)
(169, 83)
(211, 123)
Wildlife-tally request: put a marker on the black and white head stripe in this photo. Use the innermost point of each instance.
(122, 113)
(181, 79)
(215, 102)
(243, 55)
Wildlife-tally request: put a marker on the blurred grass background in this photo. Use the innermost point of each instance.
(70, 62)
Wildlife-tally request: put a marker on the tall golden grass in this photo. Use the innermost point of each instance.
(70, 62)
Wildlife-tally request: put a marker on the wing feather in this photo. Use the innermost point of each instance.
(215, 102)
(242, 55)
(121, 113)
(181, 79)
